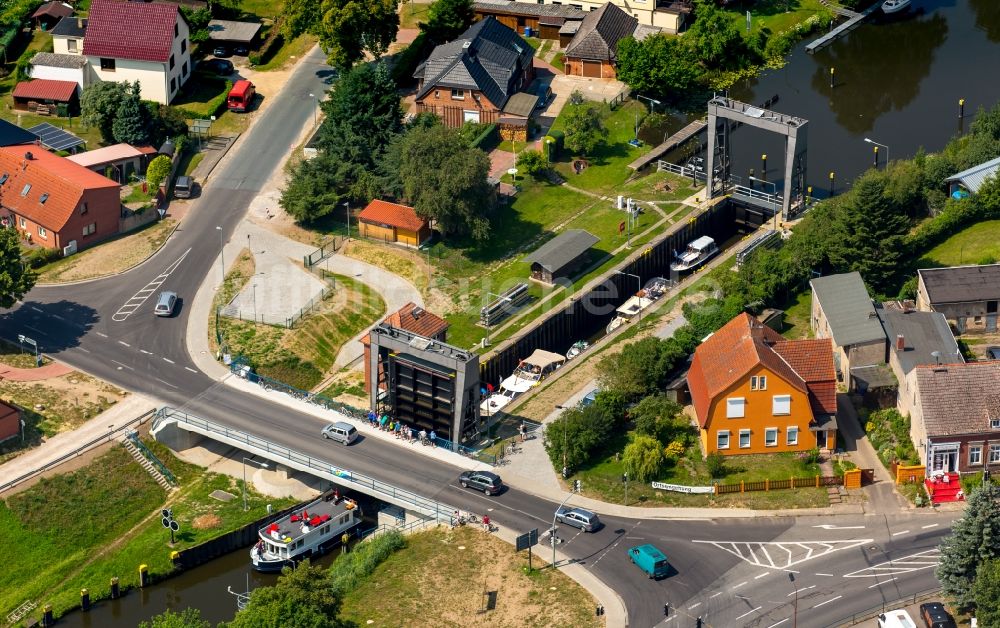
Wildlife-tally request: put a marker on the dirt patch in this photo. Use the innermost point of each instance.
(409, 265)
(111, 257)
(206, 522)
(476, 579)
(61, 403)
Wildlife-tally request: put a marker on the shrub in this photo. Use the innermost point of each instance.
(23, 63)
(269, 47)
(39, 257)
(532, 163)
(643, 458)
(716, 464)
(158, 170)
(810, 457)
(348, 570)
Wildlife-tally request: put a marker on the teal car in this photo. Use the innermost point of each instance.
(650, 560)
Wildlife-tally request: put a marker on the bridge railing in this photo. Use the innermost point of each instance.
(281, 453)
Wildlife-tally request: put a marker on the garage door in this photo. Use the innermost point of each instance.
(470, 116)
(592, 69)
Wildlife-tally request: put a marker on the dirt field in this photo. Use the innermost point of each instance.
(111, 257)
(458, 571)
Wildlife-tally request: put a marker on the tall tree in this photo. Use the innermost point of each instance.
(576, 434)
(298, 17)
(132, 122)
(986, 592)
(659, 64)
(349, 29)
(16, 279)
(447, 19)
(446, 181)
(315, 188)
(637, 370)
(187, 618)
(303, 597)
(584, 129)
(99, 106)
(715, 38)
(974, 540)
(643, 458)
(658, 416)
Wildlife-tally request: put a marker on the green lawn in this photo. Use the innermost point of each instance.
(262, 8)
(602, 479)
(412, 13)
(557, 61)
(199, 95)
(290, 52)
(978, 244)
(797, 313)
(776, 15)
(80, 529)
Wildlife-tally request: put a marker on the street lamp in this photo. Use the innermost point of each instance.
(262, 465)
(222, 252)
(886, 147)
(315, 109)
(347, 212)
(552, 530)
(774, 197)
(486, 296)
(638, 281)
(652, 101)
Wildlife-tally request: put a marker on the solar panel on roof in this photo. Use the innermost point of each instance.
(54, 138)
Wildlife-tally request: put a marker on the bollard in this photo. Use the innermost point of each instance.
(115, 589)
(832, 79)
(875, 162)
(831, 182)
(666, 610)
(961, 108)
(47, 619)
(85, 599)
(763, 167)
(175, 557)
(143, 576)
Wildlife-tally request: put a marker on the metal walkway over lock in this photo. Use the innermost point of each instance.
(167, 417)
(854, 20)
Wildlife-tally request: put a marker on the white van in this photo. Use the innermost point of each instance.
(896, 619)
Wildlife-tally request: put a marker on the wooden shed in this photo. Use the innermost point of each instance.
(392, 222)
(47, 97)
(561, 256)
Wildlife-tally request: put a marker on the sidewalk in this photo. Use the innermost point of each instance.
(53, 369)
(882, 496)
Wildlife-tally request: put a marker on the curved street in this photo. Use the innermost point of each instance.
(730, 571)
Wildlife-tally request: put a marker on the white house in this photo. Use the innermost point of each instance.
(60, 67)
(67, 35)
(139, 41)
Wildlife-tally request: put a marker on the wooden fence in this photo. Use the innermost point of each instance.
(909, 474)
(775, 485)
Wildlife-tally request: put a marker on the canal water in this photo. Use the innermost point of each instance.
(898, 82)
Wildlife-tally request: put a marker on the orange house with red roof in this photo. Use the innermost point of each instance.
(54, 202)
(754, 392)
(392, 222)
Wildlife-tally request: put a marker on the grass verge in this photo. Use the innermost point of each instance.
(80, 529)
(290, 52)
(111, 257)
(977, 244)
(459, 566)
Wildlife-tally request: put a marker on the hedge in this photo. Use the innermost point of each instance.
(488, 139)
(271, 45)
(212, 107)
(347, 571)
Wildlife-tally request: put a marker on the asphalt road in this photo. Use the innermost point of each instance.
(106, 327)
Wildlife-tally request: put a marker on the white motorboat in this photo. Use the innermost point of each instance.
(697, 253)
(894, 6)
(630, 308)
(528, 374)
(578, 347)
(300, 534)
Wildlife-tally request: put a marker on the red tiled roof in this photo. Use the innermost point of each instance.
(48, 174)
(55, 9)
(7, 410)
(812, 359)
(422, 323)
(392, 214)
(142, 31)
(743, 344)
(46, 89)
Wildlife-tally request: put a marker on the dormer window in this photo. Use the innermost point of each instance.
(26, 189)
(4, 178)
(43, 198)
(995, 424)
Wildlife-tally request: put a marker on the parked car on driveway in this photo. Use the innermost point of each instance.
(241, 51)
(222, 67)
(485, 481)
(578, 518)
(221, 51)
(934, 615)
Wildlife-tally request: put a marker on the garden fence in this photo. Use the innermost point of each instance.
(775, 485)
(325, 250)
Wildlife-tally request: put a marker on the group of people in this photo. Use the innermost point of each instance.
(387, 424)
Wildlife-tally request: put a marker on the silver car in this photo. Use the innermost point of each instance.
(165, 303)
(341, 431)
(578, 518)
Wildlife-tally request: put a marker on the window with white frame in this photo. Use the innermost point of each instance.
(791, 435)
(995, 424)
(458, 94)
(976, 454)
(42, 233)
(771, 437)
(722, 439)
(744, 439)
(758, 382)
(23, 222)
(736, 408)
(994, 453)
(781, 405)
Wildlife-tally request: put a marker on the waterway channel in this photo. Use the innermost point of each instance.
(898, 82)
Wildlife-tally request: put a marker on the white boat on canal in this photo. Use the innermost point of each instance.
(309, 531)
(697, 253)
(528, 374)
(894, 6)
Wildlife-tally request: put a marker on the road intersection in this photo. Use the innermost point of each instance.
(729, 571)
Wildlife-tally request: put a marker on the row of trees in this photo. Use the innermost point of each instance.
(347, 29)
(366, 151)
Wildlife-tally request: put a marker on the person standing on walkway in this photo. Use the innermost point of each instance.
(524, 431)
(433, 437)
(486, 523)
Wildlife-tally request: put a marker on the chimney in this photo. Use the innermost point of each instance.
(900, 343)
(29, 156)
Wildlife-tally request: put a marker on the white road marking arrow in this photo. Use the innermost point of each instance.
(830, 526)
